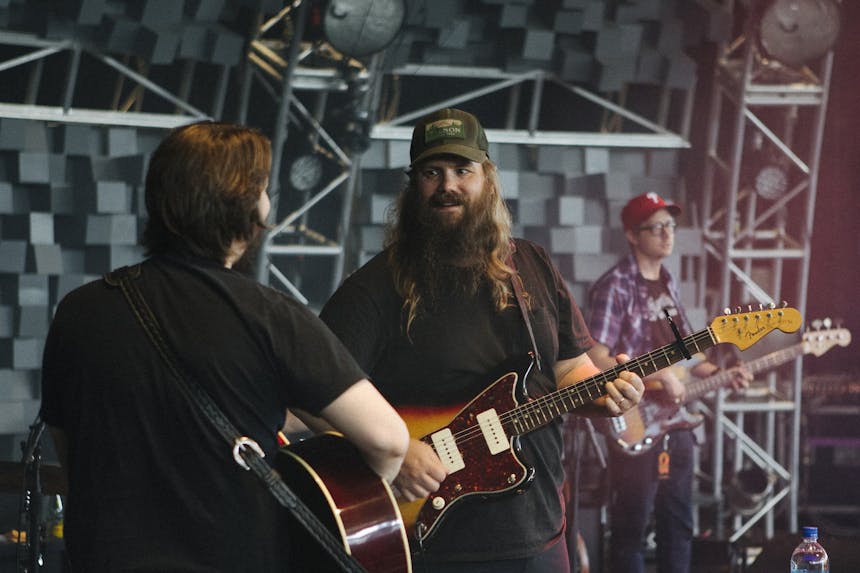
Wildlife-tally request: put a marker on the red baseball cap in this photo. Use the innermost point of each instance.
(638, 209)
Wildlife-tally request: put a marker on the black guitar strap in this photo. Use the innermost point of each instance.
(520, 295)
(245, 450)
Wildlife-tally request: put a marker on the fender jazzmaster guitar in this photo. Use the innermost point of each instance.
(479, 443)
(641, 427)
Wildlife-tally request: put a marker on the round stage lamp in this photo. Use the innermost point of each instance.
(771, 182)
(795, 32)
(305, 172)
(358, 28)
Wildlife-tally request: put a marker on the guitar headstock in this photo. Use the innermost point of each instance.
(744, 329)
(818, 342)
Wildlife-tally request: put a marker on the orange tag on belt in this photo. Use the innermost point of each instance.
(663, 465)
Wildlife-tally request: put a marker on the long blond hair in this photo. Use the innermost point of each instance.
(495, 247)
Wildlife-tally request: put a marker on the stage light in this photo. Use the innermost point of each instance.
(358, 28)
(766, 171)
(796, 32)
(749, 488)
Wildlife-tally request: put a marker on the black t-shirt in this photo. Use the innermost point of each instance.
(449, 356)
(153, 487)
(659, 301)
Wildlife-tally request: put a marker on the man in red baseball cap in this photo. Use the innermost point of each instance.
(642, 207)
(627, 307)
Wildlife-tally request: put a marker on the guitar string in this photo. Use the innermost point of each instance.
(695, 339)
(706, 335)
(595, 383)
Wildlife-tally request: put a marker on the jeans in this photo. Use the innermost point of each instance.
(637, 492)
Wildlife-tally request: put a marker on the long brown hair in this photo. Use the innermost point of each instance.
(494, 245)
(203, 186)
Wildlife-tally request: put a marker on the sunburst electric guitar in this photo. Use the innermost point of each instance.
(479, 442)
(641, 427)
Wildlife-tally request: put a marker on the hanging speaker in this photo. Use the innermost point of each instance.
(795, 32)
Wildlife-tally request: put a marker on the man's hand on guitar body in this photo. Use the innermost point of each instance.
(421, 473)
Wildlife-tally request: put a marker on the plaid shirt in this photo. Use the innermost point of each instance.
(618, 306)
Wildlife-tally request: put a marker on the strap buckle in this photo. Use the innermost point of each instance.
(240, 444)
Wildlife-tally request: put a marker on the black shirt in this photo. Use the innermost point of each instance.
(449, 356)
(153, 487)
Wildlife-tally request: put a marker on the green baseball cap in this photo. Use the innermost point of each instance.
(448, 131)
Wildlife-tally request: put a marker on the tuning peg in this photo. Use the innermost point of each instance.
(784, 304)
(739, 309)
(816, 324)
(827, 322)
(771, 305)
(727, 311)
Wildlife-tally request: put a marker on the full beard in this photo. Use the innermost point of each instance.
(452, 255)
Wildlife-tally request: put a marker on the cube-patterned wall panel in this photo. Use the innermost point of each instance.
(69, 211)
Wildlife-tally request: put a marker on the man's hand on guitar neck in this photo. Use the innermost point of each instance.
(622, 394)
(739, 375)
(665, 386)
(421, 473)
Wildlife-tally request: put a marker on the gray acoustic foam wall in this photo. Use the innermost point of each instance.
(69, 211)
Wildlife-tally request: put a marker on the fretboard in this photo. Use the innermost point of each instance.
(545, 409)
(698, 388)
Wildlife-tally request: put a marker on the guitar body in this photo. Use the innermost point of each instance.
(641, 427)
(356, 505)
(484, 473)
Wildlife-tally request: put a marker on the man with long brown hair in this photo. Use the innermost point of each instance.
(435, 315)
(152, 484)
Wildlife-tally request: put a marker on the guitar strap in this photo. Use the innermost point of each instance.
(520, 295)
(246, 451)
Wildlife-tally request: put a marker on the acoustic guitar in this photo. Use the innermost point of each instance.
(479, 443)
(641, 427)
(356, 505)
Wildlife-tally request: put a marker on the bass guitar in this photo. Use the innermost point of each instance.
(636, 432)
(356, 505)
(479, 443)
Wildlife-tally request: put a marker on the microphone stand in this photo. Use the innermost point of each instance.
(30, 550)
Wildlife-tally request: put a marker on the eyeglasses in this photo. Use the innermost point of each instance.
(657, 228)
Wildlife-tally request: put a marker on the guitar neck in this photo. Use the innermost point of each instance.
(699, 388)
(545, 409)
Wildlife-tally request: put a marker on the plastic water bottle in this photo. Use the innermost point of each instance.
(810, 555)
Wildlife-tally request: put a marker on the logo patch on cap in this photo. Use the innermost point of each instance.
(444, 129)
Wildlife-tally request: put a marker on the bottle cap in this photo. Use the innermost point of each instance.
(810, 531)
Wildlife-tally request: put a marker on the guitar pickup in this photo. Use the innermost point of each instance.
(494, 433)
(446, 448)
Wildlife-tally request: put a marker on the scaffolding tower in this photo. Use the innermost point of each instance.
(764, 136)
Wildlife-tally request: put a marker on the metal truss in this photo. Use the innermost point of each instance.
(646, 133)
(652, 133)
(274, 58)
(759, 189)
(118, 114)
